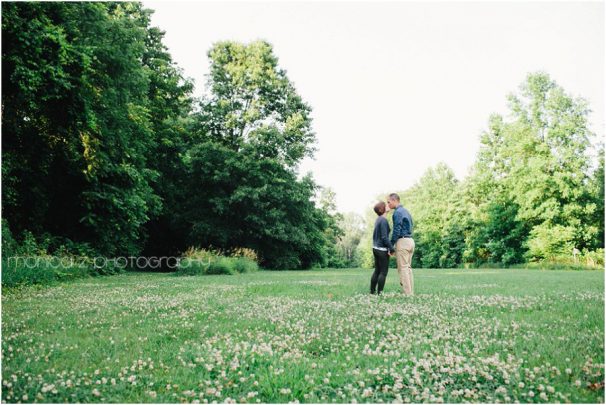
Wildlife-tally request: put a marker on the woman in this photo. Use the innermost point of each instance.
(381, 249)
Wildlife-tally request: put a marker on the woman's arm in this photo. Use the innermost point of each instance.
(385, 235)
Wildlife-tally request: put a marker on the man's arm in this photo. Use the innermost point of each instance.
(397, 227)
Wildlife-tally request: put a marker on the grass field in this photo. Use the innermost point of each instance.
(312, 336)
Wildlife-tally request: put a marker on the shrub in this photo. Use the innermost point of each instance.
(26, 270)
(593, 258)
(550, 242)
(245, 253)
(9, 245)
(47, 259)
(222, 265)
(244, 265)
(205, 255)
(192, 266)
(198, 261)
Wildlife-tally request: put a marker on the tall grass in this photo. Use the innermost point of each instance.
(208, 261)
(46, 260)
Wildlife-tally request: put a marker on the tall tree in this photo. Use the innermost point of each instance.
(352, 226)
(170, 106)
(253, 105)
(540, 161)
(251, 132)
(77, 127)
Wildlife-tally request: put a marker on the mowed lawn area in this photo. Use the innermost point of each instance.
(308, 336)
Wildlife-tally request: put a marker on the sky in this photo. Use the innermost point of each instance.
(397, 87)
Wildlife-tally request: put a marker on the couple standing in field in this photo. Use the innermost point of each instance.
(401, 244)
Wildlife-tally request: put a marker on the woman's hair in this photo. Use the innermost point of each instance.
(380, 208)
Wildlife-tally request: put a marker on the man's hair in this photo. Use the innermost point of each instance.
(394, 196)
(380, 208)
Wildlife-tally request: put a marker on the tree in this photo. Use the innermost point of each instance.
(76, 122)
(333, 232)
(352, 226)
(431, 202)
(170, 106)
(596, 197)
(537, 164)
(252, 105)
(250, 134)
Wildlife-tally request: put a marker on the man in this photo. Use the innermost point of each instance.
(401, 238)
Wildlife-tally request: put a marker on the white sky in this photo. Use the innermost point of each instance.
(397, 87)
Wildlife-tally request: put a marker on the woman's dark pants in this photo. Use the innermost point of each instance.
(380, 273)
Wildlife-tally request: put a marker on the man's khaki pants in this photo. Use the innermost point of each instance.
(405, 248)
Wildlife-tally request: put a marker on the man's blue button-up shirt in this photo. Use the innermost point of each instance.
(402, 224)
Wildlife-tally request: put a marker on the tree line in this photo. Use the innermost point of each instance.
(106, 152)
(534, 194)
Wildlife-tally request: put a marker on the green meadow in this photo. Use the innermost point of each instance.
(307, 336)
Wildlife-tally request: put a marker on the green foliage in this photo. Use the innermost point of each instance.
(500, 237)
(207, 261)
(222, 265)
(42, 270)
(532, 195)
(244, 265)
(267, 209)
(352, 228)
(103, 153)
(192, 267)
(77, 112)
(9, 245)
(27, 260)
(548, 242)
(333, 233)
(251, 131)
(253, 106)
